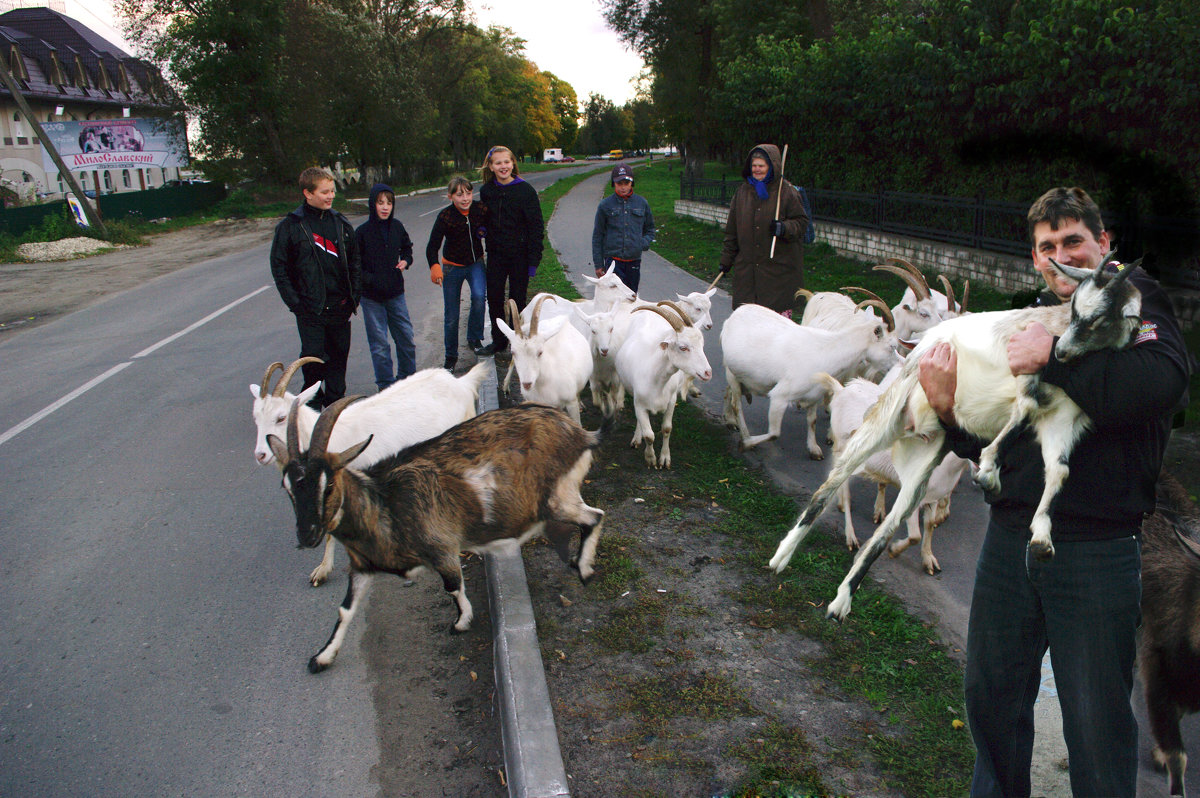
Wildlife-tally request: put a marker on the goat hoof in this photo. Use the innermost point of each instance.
(1041, 551)
(816, 456)
(933, 568)
(314, 666)
(454, 630)
(988, 482)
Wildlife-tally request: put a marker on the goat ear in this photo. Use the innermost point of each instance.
(509, 332)
(552, 327)
(278, 447)
(342, 459)
(254, 391)
(308, 393)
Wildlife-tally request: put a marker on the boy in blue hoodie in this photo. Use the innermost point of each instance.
(386, 252)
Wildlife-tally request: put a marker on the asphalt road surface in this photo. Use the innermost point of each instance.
(157, 615)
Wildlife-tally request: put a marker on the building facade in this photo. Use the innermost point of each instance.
(69, 73)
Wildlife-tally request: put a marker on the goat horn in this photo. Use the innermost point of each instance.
(950, 304)
(293, 430)
(918, 286)
(803, 292)
(266, 380)
(883, 308)
(684, 317)
(962, 306)
(915, 272)
(290, 372)
(514, 317)
(324, 426)
(537, 309)
(675, 323)
(869, 294)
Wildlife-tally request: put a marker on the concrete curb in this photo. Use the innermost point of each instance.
(532, 759)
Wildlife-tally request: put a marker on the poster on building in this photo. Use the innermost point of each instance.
(115, 144)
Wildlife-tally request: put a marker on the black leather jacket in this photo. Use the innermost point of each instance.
(298, 265)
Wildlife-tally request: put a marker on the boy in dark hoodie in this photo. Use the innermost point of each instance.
(387, 251)
(316, 265)
(461, 225)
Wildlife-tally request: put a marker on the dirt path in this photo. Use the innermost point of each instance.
(34, 293)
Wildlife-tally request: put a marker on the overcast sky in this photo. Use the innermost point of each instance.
(566, 37)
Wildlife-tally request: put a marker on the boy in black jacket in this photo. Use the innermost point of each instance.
(461, 225)
(1084, 603)
(386, 252)
(316, 265)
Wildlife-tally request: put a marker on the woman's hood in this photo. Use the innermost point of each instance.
(773, 158)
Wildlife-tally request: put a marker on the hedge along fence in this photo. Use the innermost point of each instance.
(150, 204)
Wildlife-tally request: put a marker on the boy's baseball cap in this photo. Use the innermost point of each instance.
(622, 172)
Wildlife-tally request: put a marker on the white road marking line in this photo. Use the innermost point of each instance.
(81, 390)
(200, 323)
(75, 394)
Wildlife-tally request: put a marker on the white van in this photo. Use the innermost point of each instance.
(552, 155)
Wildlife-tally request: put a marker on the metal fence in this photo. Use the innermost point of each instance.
(149, 204)
(972, 223)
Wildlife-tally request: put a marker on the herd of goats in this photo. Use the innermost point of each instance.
(411, 477)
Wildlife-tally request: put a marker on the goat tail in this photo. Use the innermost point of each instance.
(882, 426)
(478, 374)
(832, 386)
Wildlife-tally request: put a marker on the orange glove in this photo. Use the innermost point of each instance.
(435, 273)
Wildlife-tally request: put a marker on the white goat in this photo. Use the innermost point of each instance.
(989, 402)
(848, 406)
(408, 411)
(553, 362)
(769, 355)
(606, 333)
(662, 349)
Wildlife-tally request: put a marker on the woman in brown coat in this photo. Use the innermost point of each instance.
(758, 278)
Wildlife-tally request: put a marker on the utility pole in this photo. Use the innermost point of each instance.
(93, 215)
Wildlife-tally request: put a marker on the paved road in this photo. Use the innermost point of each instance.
(157, 618)
(945, 598)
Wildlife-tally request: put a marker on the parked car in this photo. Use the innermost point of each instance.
(568, 159)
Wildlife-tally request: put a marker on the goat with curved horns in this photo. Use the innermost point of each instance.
(511, 473)
(989, 402)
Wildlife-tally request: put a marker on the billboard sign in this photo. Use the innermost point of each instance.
(115, 144)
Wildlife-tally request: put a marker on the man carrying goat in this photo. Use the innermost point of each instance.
(1083, 603)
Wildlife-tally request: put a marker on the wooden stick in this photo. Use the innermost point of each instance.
(779, 196)
(716, 280)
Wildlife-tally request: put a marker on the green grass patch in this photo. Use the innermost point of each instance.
(880, 654)
(662, 696)
(781, 763)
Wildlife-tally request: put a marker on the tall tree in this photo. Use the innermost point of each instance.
(566, 109)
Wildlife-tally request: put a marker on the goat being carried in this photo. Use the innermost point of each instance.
(512, 473)
(989, 402)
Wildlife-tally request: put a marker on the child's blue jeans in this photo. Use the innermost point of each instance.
(452, 279)
(380, 318)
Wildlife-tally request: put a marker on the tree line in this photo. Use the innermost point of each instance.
(960, 97)
(393, 88)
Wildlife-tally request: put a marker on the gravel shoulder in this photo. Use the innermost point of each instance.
(34, 293)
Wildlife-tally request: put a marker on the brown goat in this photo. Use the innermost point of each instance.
(1169, 650)
(511, 473)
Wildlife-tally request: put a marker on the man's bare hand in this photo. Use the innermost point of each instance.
(938, 374)
(1029, 349)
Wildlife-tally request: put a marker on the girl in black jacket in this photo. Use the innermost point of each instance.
(386, 252)
(514, 236)
(461, 225)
